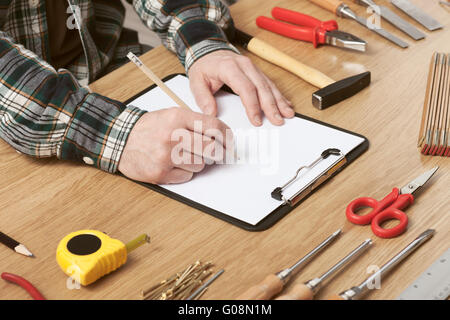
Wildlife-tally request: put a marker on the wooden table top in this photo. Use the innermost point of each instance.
(41, 201)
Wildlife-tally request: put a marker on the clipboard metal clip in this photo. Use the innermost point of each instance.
(277, 193)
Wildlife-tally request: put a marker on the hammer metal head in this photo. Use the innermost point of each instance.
(340, 90)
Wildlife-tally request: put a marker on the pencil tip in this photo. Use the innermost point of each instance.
(23, 250)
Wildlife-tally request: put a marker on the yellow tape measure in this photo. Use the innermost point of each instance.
(88, 255)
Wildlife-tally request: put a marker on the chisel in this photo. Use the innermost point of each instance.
(274, 283)
(342, 10)
(417, 14)
(392, 18)
(307, 290)
(359, 291)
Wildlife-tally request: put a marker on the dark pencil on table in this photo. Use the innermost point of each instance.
(14, 245)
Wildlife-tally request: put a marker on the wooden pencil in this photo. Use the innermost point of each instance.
(156, 80)
(14, 245)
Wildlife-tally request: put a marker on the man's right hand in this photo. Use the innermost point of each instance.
(159, 139)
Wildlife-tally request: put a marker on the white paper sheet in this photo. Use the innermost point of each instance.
(242, 190)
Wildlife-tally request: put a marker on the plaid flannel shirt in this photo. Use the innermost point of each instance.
(46, 112)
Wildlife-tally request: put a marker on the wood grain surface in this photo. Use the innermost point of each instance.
(43, 200)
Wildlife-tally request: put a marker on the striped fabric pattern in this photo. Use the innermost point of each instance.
(191, 28)
(46, 112)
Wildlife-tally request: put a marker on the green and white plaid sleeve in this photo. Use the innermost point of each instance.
(190, 28)
(44, 113)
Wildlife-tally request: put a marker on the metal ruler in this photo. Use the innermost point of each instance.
(433, 284)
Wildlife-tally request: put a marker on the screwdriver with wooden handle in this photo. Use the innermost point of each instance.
(359, 291)
(307, 290)
(340, 9)
(274, 283)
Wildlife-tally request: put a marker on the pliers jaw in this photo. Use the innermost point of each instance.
(303, 27)
(345, 40)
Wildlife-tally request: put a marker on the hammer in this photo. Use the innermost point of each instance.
(330, 92)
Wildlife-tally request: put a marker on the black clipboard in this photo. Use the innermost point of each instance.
(276, 214)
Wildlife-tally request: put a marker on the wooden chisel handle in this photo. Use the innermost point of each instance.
(298, 292)
(270, 286)
(330, 5)
(334, 297)
(275, 56)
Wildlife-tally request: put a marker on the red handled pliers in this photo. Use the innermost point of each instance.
(306, 28)
(34, 293)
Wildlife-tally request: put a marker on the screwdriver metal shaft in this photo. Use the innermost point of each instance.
(307, 290)
(286, 274)
(357, 292)
(274, 283)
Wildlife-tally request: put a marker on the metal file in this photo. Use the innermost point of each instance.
(380, 31)
(392, 18)
(417, 14)
(345, 11)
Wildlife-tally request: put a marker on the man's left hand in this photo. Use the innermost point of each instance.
(258, 93)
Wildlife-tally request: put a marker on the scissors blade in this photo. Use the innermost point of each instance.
(418, 182)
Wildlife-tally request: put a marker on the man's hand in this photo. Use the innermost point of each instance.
(258, 93)
(169, 145)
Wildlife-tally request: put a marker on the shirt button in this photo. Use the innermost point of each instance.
(88, 161)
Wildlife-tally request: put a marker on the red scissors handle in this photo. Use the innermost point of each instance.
(390, 213)
(388, 208)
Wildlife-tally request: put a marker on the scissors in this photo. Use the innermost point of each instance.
(306, 28)
(389, 208)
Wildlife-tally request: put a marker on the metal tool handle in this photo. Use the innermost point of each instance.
(330, 5)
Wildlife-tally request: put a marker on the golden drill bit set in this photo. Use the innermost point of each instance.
(186, 285)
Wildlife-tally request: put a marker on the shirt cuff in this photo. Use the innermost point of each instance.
(204, 47)
(98, 132)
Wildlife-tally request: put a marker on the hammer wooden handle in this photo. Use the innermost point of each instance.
(275, 56)
(268, 288)
(298, 292)
(330, 5)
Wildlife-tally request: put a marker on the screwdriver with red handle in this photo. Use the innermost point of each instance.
(303, 27)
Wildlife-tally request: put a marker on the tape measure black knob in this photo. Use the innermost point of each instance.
(84, 244)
